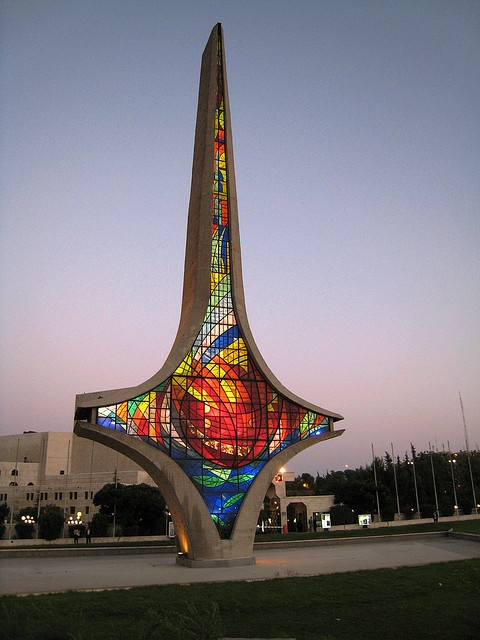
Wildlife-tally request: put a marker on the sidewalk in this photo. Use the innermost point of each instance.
(34, 575)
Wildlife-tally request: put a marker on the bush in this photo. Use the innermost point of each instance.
(445, 504)
(99, 525)
(50, 522)
(466, 506)
(24, 531)
(341, 514)
(427, 510)
(409, 513)
(388, 513)
(4, 513)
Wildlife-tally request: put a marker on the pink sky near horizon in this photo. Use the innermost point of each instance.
(357, 162)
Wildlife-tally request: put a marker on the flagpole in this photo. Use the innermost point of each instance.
(434, 481)
(415, 480)
(395, 480)
(453, 478)
(475, 508)
(376, 485)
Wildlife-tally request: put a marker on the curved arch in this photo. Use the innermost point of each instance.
(247, 519)
(188, 510)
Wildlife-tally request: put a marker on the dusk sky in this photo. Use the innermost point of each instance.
(356, 130)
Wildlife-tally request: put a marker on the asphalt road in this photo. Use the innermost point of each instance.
(34, 575)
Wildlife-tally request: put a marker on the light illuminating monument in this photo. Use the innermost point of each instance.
(214, 425)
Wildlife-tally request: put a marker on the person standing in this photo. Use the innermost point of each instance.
(88, 538)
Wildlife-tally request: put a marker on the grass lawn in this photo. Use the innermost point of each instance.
(435, 601)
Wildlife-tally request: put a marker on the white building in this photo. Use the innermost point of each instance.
(49, 467)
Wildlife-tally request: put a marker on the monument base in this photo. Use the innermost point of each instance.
(212, 563)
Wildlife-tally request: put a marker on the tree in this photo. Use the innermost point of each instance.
(50, 522)
(99, 525)
(467, 470)
(359, 494)
(4, 513)
(303, 485)
(25, 530)
(341, 514)
(138, 508)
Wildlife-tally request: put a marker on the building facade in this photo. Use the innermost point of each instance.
(40, 468)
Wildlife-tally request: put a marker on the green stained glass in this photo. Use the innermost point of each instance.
(208, 481)
(242, 477)
(233, 500)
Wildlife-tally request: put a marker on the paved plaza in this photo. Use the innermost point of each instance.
(37, 574)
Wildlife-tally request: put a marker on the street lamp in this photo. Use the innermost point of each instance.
(75, 519)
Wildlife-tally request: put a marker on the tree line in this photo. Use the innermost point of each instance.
(422, 483)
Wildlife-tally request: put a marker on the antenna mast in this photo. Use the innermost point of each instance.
(475, 505)
(464, 423)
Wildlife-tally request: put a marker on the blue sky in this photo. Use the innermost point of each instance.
(356, 133)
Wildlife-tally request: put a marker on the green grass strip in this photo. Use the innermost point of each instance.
(434, 601)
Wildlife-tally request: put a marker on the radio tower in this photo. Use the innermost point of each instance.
(464, 423)
(475, 506)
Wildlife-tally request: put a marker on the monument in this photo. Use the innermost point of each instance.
(214, 425)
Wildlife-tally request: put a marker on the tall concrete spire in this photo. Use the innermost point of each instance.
(213, 426)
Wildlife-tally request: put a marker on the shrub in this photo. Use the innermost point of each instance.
(427, 510)
(99, 525)
(50, 522)
(341, 514)
(388, 513)
(24, 530)
(4, 513)
(465, 505)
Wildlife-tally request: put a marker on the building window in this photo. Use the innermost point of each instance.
(87, 510)
(72, 511)
(14, 484)
(73, 495)
(3, 497)
(31, 484)
(14, 472)
(86, 495)
(62, 472)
